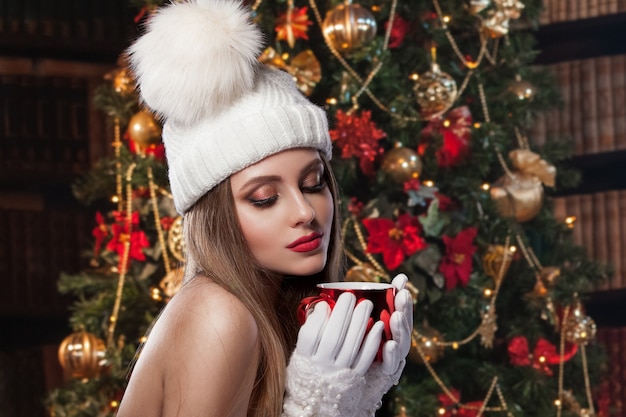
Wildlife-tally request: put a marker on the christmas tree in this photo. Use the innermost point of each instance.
(431, 107)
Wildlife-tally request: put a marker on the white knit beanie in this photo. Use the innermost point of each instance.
(197, 68)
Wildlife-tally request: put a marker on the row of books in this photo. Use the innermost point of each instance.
(108, 20)
(43, 125)
(593, 113)
(36, 246)
(600, 226)
(565, 10)
(613, 388)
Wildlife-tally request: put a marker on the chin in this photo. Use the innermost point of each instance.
(311, 266)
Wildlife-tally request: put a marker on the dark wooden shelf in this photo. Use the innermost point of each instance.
(607, 308)
(600, 172)
(581, 39)
(83, 50)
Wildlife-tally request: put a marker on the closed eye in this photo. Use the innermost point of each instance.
(265, 202)
(315, 188)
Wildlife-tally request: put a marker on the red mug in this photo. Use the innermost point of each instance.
(382, 295)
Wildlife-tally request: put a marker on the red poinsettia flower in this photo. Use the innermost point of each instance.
(355, 206)
(452, 408)
(395, 240)
(455, 130)
(456, 265)
(123, 231)
(358, 137)
(543, 355)
(292, 25)
(399, 29)
(100, 232)
(445, 202)
(411, 185)
(166, 222)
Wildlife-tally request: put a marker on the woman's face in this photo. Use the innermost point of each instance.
(285, 210)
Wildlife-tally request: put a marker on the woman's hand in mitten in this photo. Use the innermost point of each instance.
(382, 376)
(325, 372)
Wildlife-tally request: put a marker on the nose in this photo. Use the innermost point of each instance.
(301, 210)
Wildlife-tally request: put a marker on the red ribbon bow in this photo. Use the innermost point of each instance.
(544, 354)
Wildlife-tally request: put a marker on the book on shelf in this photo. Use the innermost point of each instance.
(604, 97)
(618, 91)
(589, 106)
(599, 222)
(587, 224)
(614, 239)
(575, 106)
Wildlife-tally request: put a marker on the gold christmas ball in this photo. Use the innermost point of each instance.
(522, 89)
(435, 92)
(425, 346)
(518, 195)
(363, 273)
(82, 355)
(175, 241)
(144, 130)
(348, 27)
(493, 260)
(496, 25)
(580, 330)
(123, 83)
(402, 164)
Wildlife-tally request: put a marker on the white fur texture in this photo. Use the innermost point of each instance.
(196, 58)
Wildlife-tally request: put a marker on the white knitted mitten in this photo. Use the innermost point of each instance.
(325, 375)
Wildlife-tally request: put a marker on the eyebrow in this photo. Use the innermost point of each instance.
(315, 163)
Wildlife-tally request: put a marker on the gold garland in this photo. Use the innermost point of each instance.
(157, 221)
(117, 143)
(124, 264)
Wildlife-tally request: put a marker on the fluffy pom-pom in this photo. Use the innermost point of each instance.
(196, 58)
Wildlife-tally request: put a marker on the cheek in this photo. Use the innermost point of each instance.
(254, 231)
(325, 211)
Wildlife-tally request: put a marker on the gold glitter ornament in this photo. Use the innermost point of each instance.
(402, 164)
(493, 258)
(82, 355)
(522, 89)
(144, 130)
(578, 327)
(348, 27)
(175, 241)
(518, 195)
(495, 25)
(511, 8)
(435, 92)
(123, 83)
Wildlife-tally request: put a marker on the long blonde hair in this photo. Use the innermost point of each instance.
(216, 248)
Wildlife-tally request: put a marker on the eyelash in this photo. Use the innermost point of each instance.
(267, 202)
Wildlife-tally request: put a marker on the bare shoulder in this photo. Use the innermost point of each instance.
(201, 354)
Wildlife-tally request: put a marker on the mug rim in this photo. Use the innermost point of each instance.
(355, 285)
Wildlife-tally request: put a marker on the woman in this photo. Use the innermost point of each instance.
(248, 167)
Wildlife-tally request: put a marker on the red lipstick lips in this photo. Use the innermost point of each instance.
(306, 243)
